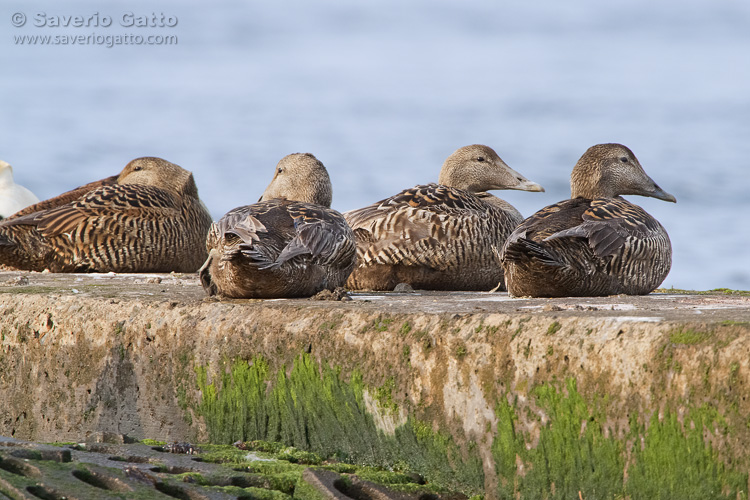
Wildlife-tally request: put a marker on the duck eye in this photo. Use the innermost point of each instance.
(481, 158)
(280, 170)
(623, 159)
(137, 169)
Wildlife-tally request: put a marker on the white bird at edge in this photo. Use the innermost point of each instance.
(13, 197)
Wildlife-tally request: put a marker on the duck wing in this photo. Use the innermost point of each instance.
(242, 223)
(431, 196)
(528, 240)
(321, 233)
(609, 225)
(272, 232)
(584, 247)
(103, 230)
(124, 205)
(256, 232)
(429, 225)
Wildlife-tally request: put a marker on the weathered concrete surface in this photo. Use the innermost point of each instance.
(122, 353)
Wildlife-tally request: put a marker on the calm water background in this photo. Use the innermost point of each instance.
(383, 91)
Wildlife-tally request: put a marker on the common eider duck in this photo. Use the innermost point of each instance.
(13, 197)
(444, 236)
(596, 243)
(289, 244)
(147, 219)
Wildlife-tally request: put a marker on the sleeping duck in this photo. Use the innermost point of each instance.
(147, 219)
(289, 244)
(444, 236)
(596, 243)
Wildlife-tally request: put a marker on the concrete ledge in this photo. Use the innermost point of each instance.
(477, 391)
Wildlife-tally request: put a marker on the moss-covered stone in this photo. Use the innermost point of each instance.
(317, 410)
(688, 336)
(553, 328)
(431, 371)
(384, 395)
(677, 461)
(680, 291)
(575, 452)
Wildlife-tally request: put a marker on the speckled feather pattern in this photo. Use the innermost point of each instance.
(278, 248)
(433, 237)
(583, 247)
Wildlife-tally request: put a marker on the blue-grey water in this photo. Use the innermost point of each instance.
(383, 91)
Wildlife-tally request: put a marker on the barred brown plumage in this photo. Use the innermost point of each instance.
(289, 244)
(147, 219)
(596, 243)
(444, 236)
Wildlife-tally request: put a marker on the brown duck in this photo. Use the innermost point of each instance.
(445, 236)
(596, 243)
(289, 244)
(147, 219)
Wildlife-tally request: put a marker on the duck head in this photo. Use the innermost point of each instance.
(300, 177)
(153, 171)
(478, 168)
(609, 170)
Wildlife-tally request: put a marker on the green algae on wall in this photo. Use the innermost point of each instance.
(575, 450)
(320, 411)
(576, 453)
(676, 462)
(688, 336)
(572, 453)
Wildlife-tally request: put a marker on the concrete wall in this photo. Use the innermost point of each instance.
(632, 396)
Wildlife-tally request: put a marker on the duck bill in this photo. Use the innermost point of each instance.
(660, 194)
(527, 185)
(644, 185)
(521, 183)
